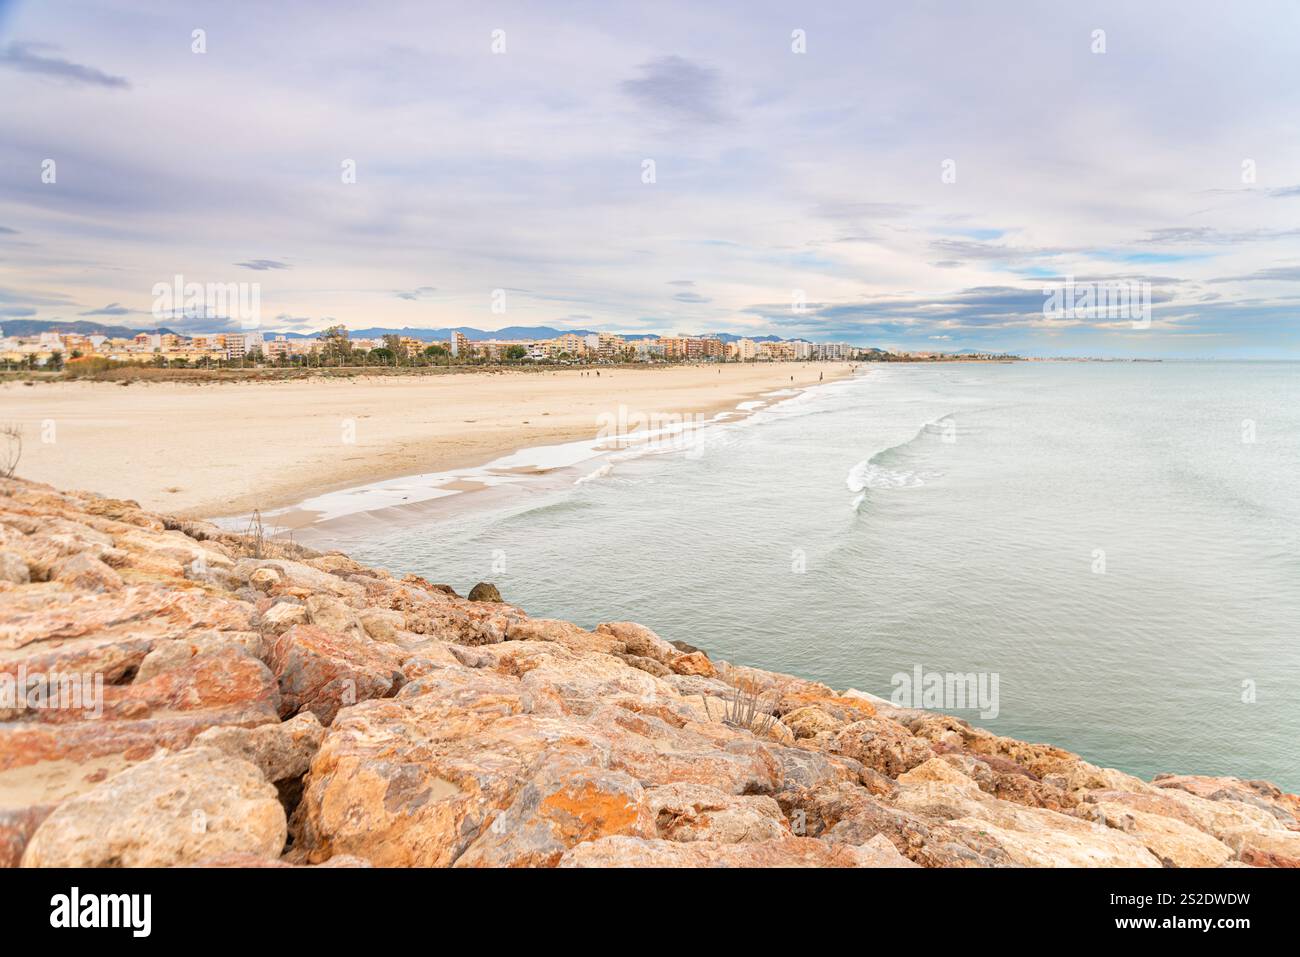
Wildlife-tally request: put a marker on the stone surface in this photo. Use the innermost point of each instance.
(697, 812)
(279, 751)
(322, 671)
(792, 852)
(484, 591)
(177, 809)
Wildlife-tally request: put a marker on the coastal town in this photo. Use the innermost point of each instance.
(56, 349)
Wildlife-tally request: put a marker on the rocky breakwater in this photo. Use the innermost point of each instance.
(177, 695)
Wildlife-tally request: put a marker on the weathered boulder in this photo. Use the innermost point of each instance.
(279, 751)
(697, 812)
(169, 655)
(1260, 794)
(484, 591)
(282, 616)
(882, 745)
(176, 809)
(86, 572)
(639, 640)
(1175, 843)
(558, 809)
(322, 671)
(13, 569)
(695, 663)
(382, 624)
(330, 614)
(414, 780)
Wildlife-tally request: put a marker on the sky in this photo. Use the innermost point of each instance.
(905, 175)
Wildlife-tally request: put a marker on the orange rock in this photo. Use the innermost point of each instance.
(695, 663)
(322, 671)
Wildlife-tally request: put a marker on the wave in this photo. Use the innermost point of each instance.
(592, 476)
(876, 473)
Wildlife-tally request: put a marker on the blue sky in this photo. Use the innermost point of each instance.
(1171, 158)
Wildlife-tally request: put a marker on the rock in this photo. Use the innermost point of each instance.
(484, 591)
(282, 616)
(13, 569)
(790, 852)
(1072, 843)
(16, 827)
(330, 614)
(299, 579)
(1217, 817)
(649, 665)
(562, 633)
(696, 812)
(251, 860)
(841, 709)
(1257, 858)
(638, 640)
(656, 752)
(1252, 842)
(811, 722)
(177, 653)
(263, 579)
(413, 781)
(322, 671)
(173, 810)
(1175, 843)
(1260, 794)
(687, 649)
(381, 624)
(695, 663)
(558, 809)
(280, 751)
(882, 745)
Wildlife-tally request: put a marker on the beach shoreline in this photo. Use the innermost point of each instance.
(210, 451)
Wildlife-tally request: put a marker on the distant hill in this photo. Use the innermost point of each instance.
(33, 327)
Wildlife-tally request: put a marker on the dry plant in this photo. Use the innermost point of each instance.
(257, 534)
(12, 451)
(747, 705)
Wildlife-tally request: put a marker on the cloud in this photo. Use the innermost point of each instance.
(112, 309)
(422, 292)
(678, 88)
(264, 264)
(691, 297)
(6, 231)
(837, 211)
(1209, 236)
(1272, 274)
(681, 282)
(24, 58)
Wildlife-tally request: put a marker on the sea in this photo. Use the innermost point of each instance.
(1112, 548)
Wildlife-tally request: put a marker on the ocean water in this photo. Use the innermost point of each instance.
(1118, 543)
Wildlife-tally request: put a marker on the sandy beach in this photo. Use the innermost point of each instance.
(217, 449)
